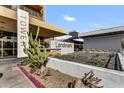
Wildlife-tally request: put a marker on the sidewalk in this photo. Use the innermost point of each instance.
(13, 77)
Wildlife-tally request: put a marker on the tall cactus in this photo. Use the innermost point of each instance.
(122, 43)
(122, 46)
(37, 54)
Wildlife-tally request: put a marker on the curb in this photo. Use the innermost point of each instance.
(30, 77)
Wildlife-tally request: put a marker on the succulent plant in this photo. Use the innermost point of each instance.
(37, 53)
(1, 74)
(122, 43)
(89, 80)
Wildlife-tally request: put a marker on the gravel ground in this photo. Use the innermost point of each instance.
(87, 58)
(56, 79)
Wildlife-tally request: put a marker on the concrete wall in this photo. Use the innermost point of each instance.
(111, 42)
(110, 78)
(65, 47)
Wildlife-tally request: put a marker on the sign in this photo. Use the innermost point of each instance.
(64, 46)
(22, 32)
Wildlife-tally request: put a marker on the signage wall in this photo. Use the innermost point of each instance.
(64, 46)
(22, 32)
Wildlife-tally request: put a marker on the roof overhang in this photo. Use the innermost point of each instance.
(103, 32)
(46, 30)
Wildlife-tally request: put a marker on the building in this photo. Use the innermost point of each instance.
(78, 43)
(104, 39)
(8, 27)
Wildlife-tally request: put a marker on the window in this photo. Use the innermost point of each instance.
(31, 12)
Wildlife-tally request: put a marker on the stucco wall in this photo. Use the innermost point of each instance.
(65, 47)
(110, 78)
(111, 42)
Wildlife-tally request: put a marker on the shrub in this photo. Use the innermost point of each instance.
(97, 60)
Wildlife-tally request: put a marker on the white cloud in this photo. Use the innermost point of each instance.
(69, 18)
(62, 37)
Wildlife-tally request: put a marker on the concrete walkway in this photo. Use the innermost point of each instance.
(13, 77)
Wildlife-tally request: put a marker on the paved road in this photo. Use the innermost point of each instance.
(13, 77)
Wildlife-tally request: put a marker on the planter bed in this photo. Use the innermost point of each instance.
(31, 77)
(55, 80)
(88, 57)
(110, 78)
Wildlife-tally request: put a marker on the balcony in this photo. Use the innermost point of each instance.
(32, 13)
(8, 22)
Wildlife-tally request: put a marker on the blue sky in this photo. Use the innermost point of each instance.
(83, 17)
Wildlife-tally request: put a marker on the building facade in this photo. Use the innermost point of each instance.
(104, 39)
(8, 27)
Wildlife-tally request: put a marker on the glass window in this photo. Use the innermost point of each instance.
(31, 12)
(8, 40)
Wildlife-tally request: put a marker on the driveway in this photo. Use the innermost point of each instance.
(13, 77)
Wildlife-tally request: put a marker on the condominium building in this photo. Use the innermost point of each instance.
(8, 27)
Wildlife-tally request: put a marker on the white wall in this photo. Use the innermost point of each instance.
(66, 47)
(110, 78)
(111, 42)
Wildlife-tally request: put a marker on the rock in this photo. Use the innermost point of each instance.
(78, 84)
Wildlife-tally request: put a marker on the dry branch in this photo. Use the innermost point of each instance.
(89, 81)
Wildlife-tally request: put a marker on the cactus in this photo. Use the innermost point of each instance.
(122, 46)
(122, 43)
(1, 74)
(109, 59)
(89, 80)
(37, 54)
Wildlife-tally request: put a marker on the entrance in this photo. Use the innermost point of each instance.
(8, 45)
